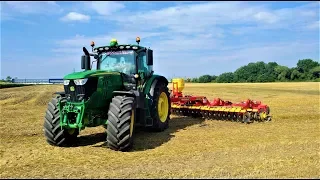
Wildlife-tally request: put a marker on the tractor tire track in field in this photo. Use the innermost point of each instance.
(20, 99)
(43, 99)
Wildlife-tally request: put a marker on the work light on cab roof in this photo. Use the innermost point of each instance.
(113, 42)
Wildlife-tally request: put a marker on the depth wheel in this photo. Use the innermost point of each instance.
(120, 126)
(247, 117)
(239, 118)
(234, 117)
(160, 108)
(54, 134)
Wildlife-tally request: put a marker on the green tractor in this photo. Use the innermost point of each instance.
(121, 93)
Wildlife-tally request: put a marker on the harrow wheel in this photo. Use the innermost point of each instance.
(229, 116)
(234, 117)
(224, 116)
(256, 116)
(239, 118)
(247, 117)
(219, 116)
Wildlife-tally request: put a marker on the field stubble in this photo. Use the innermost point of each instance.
(287, 147)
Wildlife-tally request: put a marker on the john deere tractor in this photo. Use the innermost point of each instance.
(120, 93)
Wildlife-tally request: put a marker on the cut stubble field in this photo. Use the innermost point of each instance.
(286, 147)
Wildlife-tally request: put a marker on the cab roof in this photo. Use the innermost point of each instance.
(118, 47)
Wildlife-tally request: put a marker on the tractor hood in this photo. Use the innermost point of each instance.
(88, 73)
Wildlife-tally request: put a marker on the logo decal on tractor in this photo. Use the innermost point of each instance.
(71, 88)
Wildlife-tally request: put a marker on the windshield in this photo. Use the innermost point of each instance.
(118, 61)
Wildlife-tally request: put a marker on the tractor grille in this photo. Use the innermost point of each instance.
(81, 91)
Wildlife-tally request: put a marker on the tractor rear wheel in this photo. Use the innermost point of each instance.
(121, 119)
(54, 134)
(160, 109)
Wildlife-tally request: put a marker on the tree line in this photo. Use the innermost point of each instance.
(306, 70)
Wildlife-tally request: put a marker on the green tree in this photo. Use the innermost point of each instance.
(204, 79)
(194, 80)
(8, 78)
(283, 73)
(295, 74)
(262, 78)
(227, 77)
(214, 78)
(305, 65)
(315, 72)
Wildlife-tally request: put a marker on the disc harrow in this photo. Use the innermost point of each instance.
(199, 106)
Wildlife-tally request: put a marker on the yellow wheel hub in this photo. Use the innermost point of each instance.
(163, 107)
(132, 122)
(263, 115)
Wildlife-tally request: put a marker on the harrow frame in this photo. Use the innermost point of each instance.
(199, 106)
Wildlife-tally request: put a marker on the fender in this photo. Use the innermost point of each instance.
(149, 88)
(132, 93)
(153, 82)
(149, 93)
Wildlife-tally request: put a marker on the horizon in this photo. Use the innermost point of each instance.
(43, 40)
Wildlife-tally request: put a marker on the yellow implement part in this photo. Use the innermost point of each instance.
(238, 110)
(203, 107)
(249, 109)
(233, 109)
(226, 109)
(220, 109)
(207, 108)
(263, 115)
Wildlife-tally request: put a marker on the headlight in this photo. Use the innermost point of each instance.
(66, 82)
(80, 81)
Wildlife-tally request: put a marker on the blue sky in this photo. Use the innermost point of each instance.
(45, 39)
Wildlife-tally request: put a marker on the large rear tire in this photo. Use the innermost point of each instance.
(160, 108)
(54, 134)
(121, 119)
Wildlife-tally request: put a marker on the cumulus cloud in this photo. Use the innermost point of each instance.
(266, 17)
(208, 34)
(74, 16)
(314, 25)
(106, 8)
(203, 17)
(32, 7)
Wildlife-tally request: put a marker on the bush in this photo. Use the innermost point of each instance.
(11, 85)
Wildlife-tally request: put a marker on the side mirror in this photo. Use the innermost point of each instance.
(149, 57)
(85, 62)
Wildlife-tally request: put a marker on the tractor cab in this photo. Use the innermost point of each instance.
(132, 60)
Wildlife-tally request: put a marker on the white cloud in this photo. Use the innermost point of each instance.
(314, 25)
(266, 17)
(106, 8)
(74, 16)
(200, 34)
(32, 7)
(210, 16)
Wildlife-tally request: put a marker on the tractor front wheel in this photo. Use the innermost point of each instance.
(121, 119)
(54, 134)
